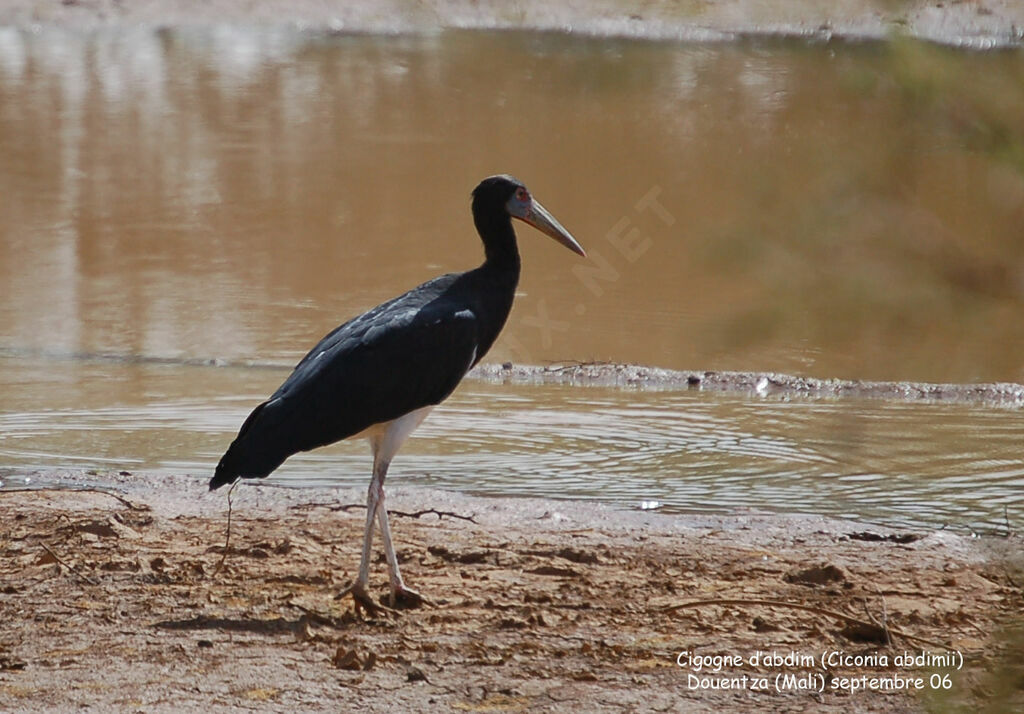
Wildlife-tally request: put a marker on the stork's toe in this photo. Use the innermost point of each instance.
(361, 599)
(403, 598)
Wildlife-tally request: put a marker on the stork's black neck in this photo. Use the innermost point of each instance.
(495, 228)
(497, 278)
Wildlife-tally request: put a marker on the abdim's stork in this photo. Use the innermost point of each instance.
(381, 373)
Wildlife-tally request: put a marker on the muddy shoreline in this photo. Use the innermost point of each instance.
(766, 384)
(979, 24)
(124, 597)
(631, 376)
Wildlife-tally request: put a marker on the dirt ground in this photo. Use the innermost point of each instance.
(123, 599)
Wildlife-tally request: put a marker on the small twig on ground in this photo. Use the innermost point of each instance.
(1006, 520)
(69, 566)
(885, 621)
(417, 514)
(227, 537)
(319, 617)
(575, 364)
(414, 514)
(977, 629)
(74, 489)
(795, 606)
(884, 624)
(329, 507)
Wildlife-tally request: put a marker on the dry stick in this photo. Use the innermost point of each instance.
(69, 566)
(227, 538)
(884, 624)
(414, 514)
(417, 514)
(125, 501)
(319, 617)
(576, 364)
(795, 606)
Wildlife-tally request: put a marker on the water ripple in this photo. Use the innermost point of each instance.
(894, 463)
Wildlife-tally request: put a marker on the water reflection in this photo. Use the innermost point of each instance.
(833, 210)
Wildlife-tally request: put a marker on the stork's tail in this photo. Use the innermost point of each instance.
(223, 474)
(242, 460)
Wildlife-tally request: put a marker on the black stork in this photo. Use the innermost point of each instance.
(379, 374)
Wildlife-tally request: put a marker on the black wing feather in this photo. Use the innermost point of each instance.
(405, 354)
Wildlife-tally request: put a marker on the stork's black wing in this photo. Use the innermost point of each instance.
(407, 353)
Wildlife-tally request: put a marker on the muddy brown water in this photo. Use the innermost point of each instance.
(829, 209)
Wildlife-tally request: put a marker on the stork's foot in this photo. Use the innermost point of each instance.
(361, 599)
(403, 598)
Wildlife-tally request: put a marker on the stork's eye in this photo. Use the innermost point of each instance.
(522, 194)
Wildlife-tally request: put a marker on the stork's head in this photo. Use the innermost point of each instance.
(503, 193)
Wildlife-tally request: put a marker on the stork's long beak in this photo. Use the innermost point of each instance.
(538, 217)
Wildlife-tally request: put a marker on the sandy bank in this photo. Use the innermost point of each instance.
(121, 603)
